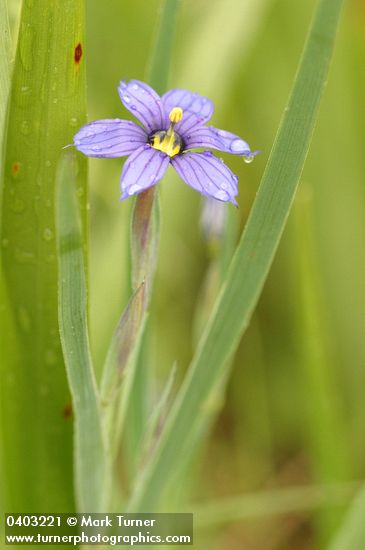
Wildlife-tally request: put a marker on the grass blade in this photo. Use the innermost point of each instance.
(4, 70)
(158, 70)
(352, 533)
(47, 103)
(274, 502)
(90, 454)
(254, 254)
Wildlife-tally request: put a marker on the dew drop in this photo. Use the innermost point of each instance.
(48, 163)
(55, 100)
(18, 205)
(73, 122)
(50, 356)
(221, 195)
(24, 257)
(224, 185)
(47, 234)
(26, 38)
(24, 319)
(96, 148)
(126, 98)
(50, 258)
(25, 127)
(135, 87)
(133, 107)
(132, 165)
(238, 146)
(134, 189)
(248, 159)
(43, 390)
(223, 133)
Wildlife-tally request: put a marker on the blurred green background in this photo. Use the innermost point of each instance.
(294, 406)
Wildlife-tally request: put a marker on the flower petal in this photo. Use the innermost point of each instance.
(207, 174)
(143, 168)
(109, 138)
(144, 103)
(208, 136)
(196, 109)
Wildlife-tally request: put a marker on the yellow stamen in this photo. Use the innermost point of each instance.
(169, 141)
(176, 115)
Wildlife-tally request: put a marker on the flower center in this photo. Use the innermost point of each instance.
(168, 141)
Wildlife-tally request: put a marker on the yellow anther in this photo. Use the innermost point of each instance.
(176, 115)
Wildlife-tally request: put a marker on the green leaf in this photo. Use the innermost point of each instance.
(272, 503)
(4, 71)
(120, 367)
(158, 70)
(90, 449)
(47, 104)
(253, 257)
(351, 535)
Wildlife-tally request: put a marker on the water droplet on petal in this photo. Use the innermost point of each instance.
(134, 189)
(135, 87)
(248, 159)
(238, 146)
(132, 165)
(133, 107)
(224, 185)
(126, 98)
(96, 148)
(221, 195)
(222, 133)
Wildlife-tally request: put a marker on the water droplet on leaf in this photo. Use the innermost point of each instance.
(25, 127)
(48, 234)
(24, 319)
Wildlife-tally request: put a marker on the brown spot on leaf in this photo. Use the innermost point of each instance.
(78, 53)
(15, 168)
(67, 411)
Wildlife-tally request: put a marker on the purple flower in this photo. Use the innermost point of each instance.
(172, 125)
